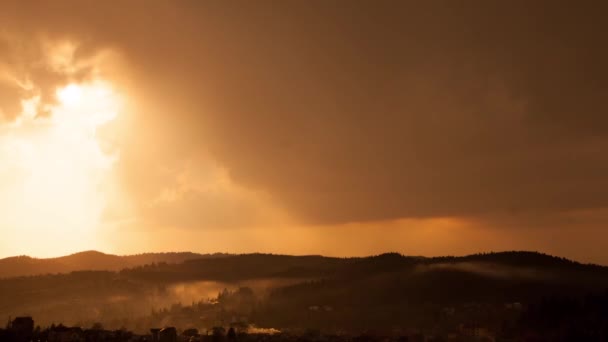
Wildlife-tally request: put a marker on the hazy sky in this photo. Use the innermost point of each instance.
(332, 127)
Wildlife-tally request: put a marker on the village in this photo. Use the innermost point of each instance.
(22, 329)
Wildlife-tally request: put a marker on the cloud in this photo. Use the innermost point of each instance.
(368, 112)
(202, 196)
(36, 66)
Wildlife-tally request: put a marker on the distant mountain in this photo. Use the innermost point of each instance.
(255, 266)
(89, 260)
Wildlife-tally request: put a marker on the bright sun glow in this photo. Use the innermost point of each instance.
(52, 170)
(70, 95)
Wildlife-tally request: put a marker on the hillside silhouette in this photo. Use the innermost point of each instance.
(373, 292)
(88, 260)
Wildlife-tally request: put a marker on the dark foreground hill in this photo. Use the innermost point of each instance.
(303, 291)
(89, 260)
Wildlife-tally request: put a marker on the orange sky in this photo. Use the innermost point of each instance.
(422, 128)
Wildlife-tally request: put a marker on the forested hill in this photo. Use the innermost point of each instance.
(290, 284)
(180, 266)
(88, 260)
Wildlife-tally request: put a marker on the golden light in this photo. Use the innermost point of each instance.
(53, 170)
(70, 95)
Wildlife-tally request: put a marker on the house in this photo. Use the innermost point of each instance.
(168, 334)
(448, 310)
(62, 333)
(22, 328)
(98, 335)
(190, 334)
(471, 330)
(154, 332)
(514, 306)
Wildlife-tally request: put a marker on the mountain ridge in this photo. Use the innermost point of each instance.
(24, 265)
(92, 260)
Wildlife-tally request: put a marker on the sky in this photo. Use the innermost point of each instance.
(304, 127)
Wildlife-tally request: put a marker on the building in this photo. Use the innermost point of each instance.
(22, 328)
(62, 333)
(168, 335)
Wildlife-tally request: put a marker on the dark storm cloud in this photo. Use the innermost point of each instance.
(351, 111)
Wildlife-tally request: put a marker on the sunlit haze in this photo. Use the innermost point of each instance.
(54, 171)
